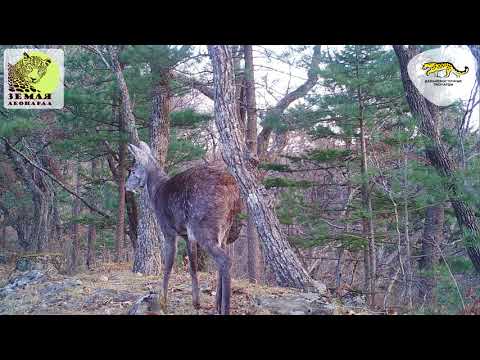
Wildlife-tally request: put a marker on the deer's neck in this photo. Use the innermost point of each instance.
(156, 177)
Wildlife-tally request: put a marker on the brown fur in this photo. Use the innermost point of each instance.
(200, 204)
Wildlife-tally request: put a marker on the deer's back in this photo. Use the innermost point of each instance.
(205, 194)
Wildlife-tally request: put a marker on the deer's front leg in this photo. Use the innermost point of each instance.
(218, 297)
(170, 252)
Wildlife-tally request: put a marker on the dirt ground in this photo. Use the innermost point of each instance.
(112, 289)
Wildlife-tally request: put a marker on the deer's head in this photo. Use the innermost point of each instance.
(138, 174)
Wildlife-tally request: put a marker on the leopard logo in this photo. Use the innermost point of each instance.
(437, 67)
(26, 72)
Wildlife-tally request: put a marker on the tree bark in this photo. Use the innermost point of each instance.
(131, 204)
(35, 240)
(132, 214)
(73, 249)
(251, 140)
(122, 163)
(437, 154)
(431, 241)
(367, 222)
(281, 259)
(264, 136)
(281, 106)
(3, 237)
(92, 228)
(475, 49)
(147, 259)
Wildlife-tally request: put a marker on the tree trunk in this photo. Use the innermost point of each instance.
(431, 242)
(73, 250)
(132, 214)
(92, 240)
(251, 139)
(122, 163)
(281, 259)
(367, 222)
(277, 111)
(159, 140)
(408, 254)
(147, 257)
(475, 49)
(3, 237)
(437, 154)
(92, 228)
(36, 240)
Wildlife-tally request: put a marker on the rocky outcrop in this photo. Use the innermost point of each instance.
(21, 280)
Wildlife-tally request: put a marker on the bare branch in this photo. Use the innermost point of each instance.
(87, 204)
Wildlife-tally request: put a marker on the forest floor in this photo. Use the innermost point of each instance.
(113, 289)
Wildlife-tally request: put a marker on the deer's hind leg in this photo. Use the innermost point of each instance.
(192, 259)
(219, 296)
(208, 237)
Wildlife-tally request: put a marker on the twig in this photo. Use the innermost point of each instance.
(453, 277)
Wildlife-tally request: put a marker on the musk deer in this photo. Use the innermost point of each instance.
(201, 205)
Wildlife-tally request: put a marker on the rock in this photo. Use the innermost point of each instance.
(295, 312)
(146, 305)
(54, 288)
(103, 278)
(321, 288)
(21, 280)
(296, 304)
(354, 300)
(124, 297)
(72, 282)
(50, 289)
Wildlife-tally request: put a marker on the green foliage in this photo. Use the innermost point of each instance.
(471, 238)
(18, 126)
(460, 264)
(181, 150)
(188, 118)
(279, 182)
(274, 121)
(242, 216)
(325, 155)
(446, 293)
(274, 167)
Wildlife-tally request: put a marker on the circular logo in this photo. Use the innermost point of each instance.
(444, 75)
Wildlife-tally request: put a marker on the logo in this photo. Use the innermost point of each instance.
(34, 78)
(431, 73)
(446, 68)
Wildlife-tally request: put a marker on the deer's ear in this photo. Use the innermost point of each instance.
(133, 150)
(144, 146)
(140, 155)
